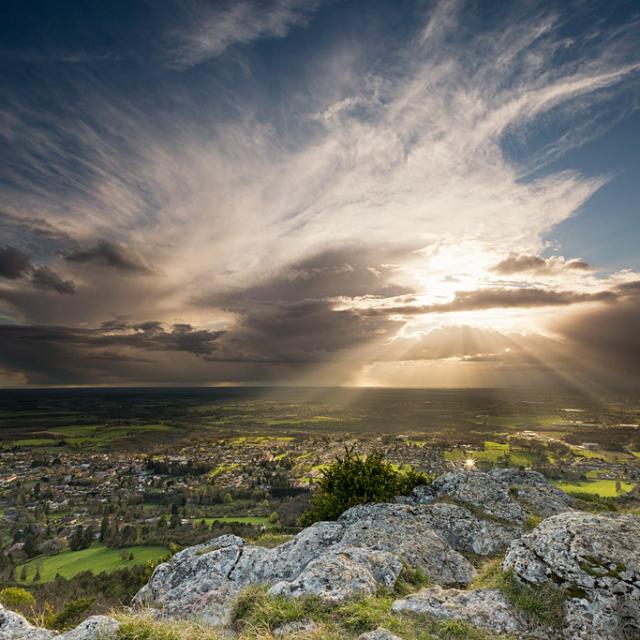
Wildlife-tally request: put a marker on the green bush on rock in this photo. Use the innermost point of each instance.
(354, 479)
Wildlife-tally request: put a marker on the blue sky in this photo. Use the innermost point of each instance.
(376, 193)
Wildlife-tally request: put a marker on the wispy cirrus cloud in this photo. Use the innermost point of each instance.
(210, 29)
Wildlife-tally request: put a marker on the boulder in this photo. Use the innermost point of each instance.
(465, 531)
(408, 533)
(196, 582)
(596, 558)
(482, 492)
(93, 628)
(485, 608)
(533, 491)
(13, 626)
(342, 574)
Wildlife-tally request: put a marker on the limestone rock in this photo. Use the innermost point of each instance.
(533, 491)
(378, 634)
(295, 626)
(407, 533)
(485, 608)
(13, 626)
(196, 581)
(595, 556)
(464, 531)
(482, 492)
(342, 574)
(93, 628)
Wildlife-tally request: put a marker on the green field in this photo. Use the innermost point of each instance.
(96, 559)
(492, 451)
(254, 520)
(603, 488)
(89, 435)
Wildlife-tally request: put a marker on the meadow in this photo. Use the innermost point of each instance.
(96, 559)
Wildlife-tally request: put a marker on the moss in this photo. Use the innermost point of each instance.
(532, 521)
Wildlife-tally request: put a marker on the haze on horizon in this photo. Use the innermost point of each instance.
(320, 192)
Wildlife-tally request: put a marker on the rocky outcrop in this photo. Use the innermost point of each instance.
(508, 495)
(13, 626)
(596, 558)
(361, 552)
(484, 608)
(409, 534)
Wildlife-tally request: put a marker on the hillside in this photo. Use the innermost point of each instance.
(475, 555)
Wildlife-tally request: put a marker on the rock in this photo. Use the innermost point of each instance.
(343, 574)
(13, 626)
(464, 531)
(597, 559)
(407, 533)
(378, 634)
(423, 494)
(533, 492)
(482, 492)
(485, 608)
(296, 626)
(93, 628)
(196, 581)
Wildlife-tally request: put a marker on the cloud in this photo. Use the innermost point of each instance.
(46, 278)
(110, 254)
(298, 238)
(523, 263)
(212, 29)
(500, 298)
(14, 263)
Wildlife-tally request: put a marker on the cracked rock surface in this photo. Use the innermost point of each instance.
(596, 558)
(485, 608)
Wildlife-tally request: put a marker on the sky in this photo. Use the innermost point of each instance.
(402, 193)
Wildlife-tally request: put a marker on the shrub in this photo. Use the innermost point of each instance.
(17, 598)
(353, 480)
(72, 613)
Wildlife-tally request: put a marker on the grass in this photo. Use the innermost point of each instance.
(258, 521)
(542, 605)
(603, 488)
(96, 559)
(270, 539)
(256, 615)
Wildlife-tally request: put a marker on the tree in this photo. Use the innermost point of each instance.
(353, 480)
(104, 528)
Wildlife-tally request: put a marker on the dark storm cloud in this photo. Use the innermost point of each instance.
(496, 298)
(110, 254)
(346, 271)
(152, 336)
(523, 263)
(46, 278)
(66, 354)
(304, 331)
(14, 263)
